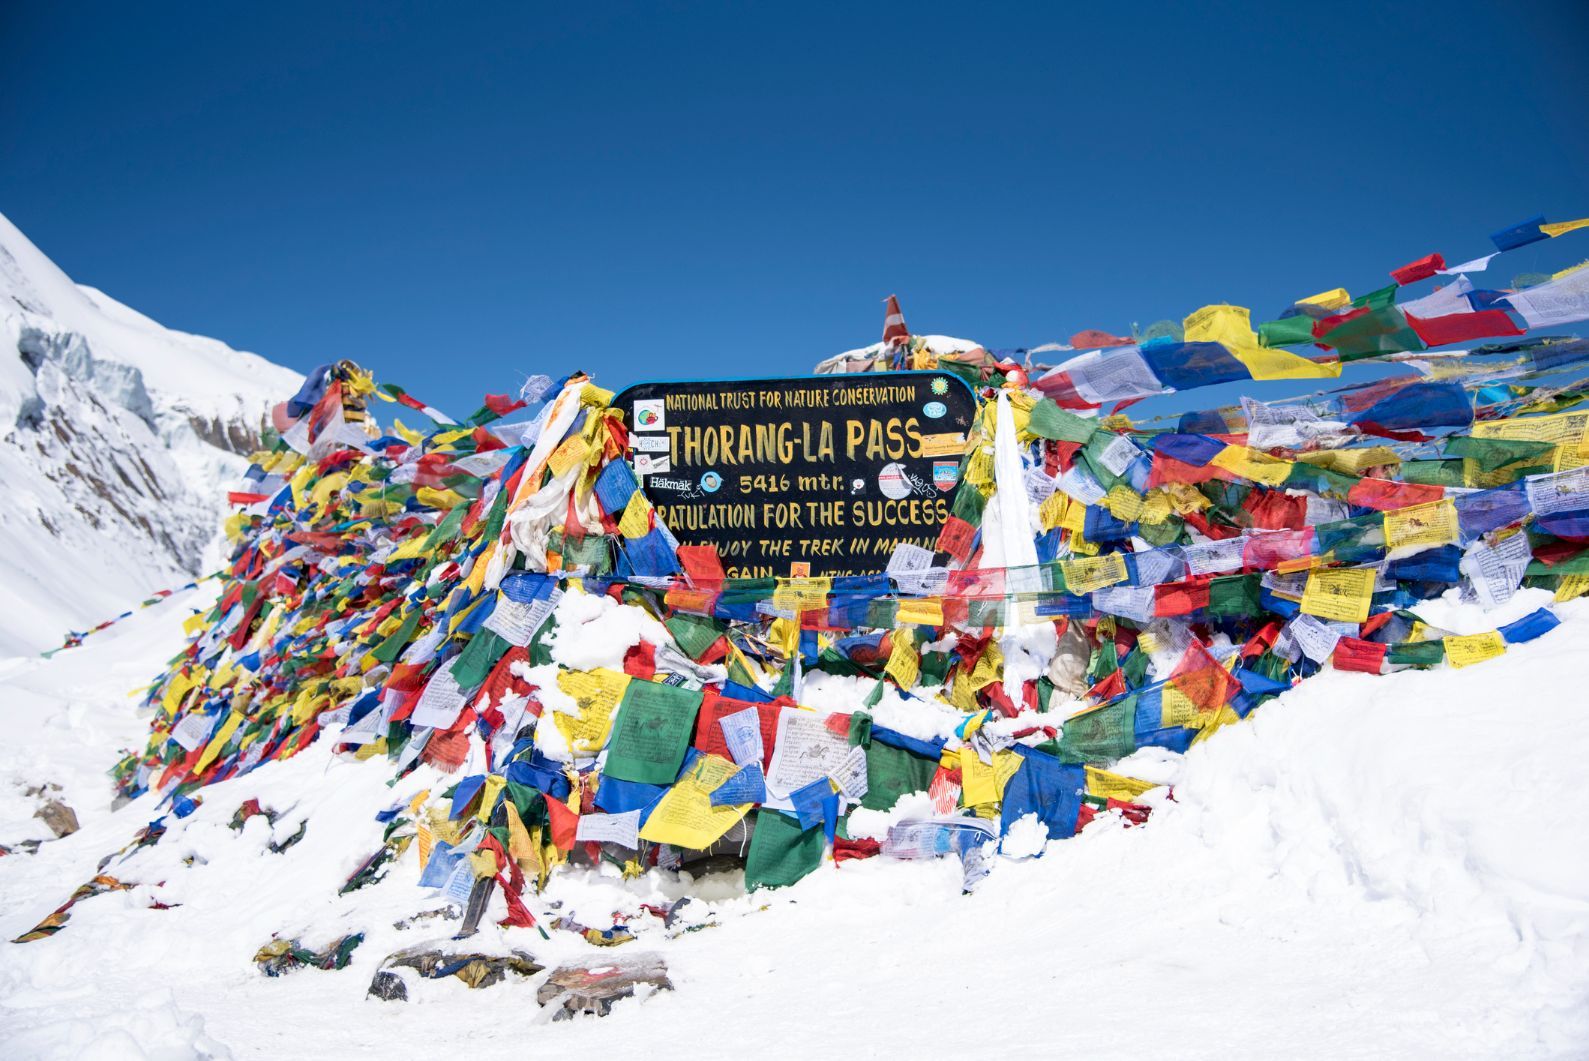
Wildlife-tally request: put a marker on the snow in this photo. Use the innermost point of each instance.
(206, 375)
(1368, 867)
(118, 438)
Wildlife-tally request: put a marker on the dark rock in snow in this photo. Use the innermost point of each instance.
(593, 986)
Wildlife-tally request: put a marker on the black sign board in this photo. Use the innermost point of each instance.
(821, 475)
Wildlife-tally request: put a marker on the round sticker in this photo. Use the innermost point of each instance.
(893, 483)
(710, 482)
(934, 409)
(940, 386)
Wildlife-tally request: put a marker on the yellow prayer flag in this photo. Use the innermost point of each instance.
(989, 667)
(961, 695)
(1231, 326)
(595, 397)
(427, 841)
(1094, 572)
(447, 499)
(927, 611)
(1155, 507)
(1334, 299)
(1344, 594)
(979, 469)
(1351, 461)
(636, 519)
(1253, 464)
(1178, 709)
(520, 848)
(1474, 648)
(1421, 526)
(1572, 587)
(1107, 785)
(218, 741)
(1225, 716)
(567, 455)
(978, 783)
(804, 594)
(1266, 362)
(597, 693)
(1561, 228)
(1052, 510)
(904, 663)
(1074, 519)
(488, 796)
(1562, 428)
(1123, 503)
(175, 690)
(685, 817)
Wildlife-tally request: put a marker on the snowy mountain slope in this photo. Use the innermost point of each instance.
(1369, 867)
(117, 436)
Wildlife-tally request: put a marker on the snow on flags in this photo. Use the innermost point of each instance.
(405, 599)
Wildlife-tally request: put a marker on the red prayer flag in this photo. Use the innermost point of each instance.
(1353, 653)
(1461, 327)
(1384, 495)
(1179, 598)
(1088, 338)
(1422, 269)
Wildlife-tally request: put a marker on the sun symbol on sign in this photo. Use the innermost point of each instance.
(940, 386)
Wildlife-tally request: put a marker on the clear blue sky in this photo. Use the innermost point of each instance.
(460, 195)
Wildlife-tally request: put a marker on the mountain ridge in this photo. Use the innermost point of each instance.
(117, 436)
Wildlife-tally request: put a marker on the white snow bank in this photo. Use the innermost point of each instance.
(1370, 867)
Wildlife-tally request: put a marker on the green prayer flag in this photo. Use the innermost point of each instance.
(477, 658)
(1290, 331)
(398, 639)
(1061, 425)
(781, 852)
(530, 803)
(653, 728)
(1433, 472)
(1492, 454)
(695, 634)
(1417, 653)
(1101, 735)
(1234, 595)
(968, 504)
(1382, 330)
(892, 773)
(935, 667)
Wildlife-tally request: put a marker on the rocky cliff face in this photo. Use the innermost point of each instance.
(118, 438)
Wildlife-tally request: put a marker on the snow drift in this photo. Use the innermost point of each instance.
(1370, 867)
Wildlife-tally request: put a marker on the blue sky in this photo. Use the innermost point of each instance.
(460, 195)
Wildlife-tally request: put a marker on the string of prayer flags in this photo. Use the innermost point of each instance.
(504, 603)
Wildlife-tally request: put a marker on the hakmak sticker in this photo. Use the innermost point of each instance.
(651, 464)
(649, 415)
(710, 482)
(945, 474)
(893, 482)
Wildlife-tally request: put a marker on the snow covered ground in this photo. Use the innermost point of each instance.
(1370, 867)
